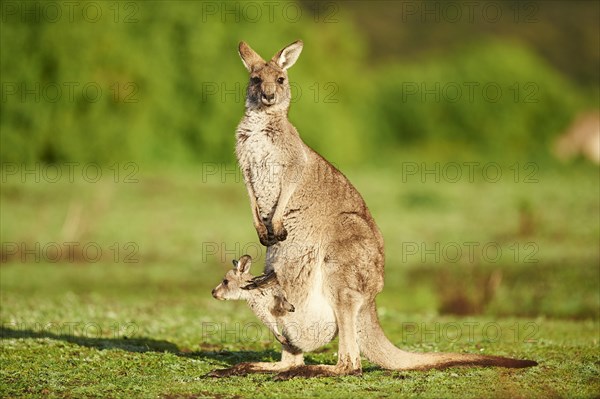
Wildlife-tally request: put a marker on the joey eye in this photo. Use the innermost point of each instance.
(225, 282)
(280, 81)
(256, 80)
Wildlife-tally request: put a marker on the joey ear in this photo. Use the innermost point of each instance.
(235, 263)
(244, 264)
(249, 57)
(288, 55)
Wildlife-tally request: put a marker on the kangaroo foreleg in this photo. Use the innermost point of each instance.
(289, 182)
(261, 229)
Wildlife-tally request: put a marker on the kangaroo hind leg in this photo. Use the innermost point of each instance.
(346, 306)
(290, 357)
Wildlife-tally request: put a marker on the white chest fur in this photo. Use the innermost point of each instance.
(260, 157)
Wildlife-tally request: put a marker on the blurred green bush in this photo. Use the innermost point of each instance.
(492, 96)
(167, 86)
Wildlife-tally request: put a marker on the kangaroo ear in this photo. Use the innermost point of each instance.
(249, 57)
(288, 55)
(235, 263)
(244, 264)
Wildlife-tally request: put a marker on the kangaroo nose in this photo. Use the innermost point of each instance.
(213, 293)
(268, 97)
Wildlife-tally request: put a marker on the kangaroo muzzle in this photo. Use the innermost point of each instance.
(267, 99)
(267, 93)
(215, 293)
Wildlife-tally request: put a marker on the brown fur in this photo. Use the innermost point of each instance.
(322, 240)
(266, 300)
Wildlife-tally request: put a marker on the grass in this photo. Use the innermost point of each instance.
(138, 320)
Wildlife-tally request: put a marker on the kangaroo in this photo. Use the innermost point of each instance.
(266, 299)
(321, 239)
(582, 137)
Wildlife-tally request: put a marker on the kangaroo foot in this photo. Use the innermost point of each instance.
(313, 371)
(246, 368)
(239, 369)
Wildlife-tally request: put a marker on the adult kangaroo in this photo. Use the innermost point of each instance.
(321, 240)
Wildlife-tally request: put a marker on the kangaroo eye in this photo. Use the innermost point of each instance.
(225, 282)
(280, 81)
(256, 80)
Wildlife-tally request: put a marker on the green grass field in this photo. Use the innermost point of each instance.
(105, 286)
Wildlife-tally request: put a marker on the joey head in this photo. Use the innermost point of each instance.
(263, 294)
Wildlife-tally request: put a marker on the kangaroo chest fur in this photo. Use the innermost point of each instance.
(259, 149)
(267, 146)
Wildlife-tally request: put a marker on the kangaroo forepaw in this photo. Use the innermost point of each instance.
(264, 236)
(268, 240)
(279, 232)
(282, 235)
(282, 340)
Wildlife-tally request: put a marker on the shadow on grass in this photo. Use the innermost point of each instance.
(143, 344)
(230, 358)
(225, 358)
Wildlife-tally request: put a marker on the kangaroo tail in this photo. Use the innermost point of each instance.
(375, 346)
